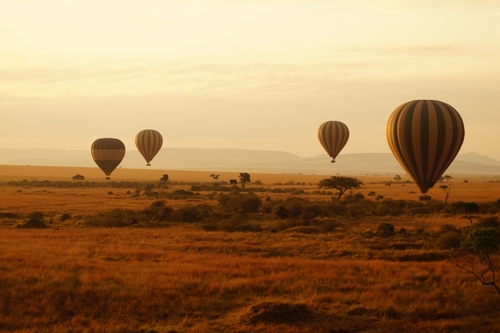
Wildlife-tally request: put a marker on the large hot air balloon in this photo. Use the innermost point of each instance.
(107, 154)
(149, 143)
(333, 136)
(425, 136)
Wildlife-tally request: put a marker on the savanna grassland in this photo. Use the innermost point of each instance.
(134, 255)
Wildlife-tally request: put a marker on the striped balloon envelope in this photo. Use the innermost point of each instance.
(149, 143)
(107, 153)
(333, 136)
(425, 136)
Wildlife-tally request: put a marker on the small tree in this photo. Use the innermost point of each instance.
(469, 209)
(340, 183)
(447, 191)
(244, 178)
(377, 201)
(215, 176)
(78, 178)
(164, 179)
(476, 255)
(447, 177)
(397, 178)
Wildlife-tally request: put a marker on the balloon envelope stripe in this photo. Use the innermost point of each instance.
(149, 143)
(443, 141)
(425, 136)
(107, 153)
(333, 136)
(108, 143)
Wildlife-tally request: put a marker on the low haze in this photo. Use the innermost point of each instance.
(243, 74)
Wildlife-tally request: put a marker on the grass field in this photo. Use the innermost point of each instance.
(181, 278)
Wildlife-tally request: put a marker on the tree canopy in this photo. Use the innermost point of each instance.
(340, 183)
(244, 178)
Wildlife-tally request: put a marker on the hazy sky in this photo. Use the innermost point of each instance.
(250, 74)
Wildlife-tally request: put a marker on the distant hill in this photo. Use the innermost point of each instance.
(242, 160)
(478, 159)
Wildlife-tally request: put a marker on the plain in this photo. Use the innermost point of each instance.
(179, 277)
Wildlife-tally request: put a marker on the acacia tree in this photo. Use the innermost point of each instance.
(164, 179)
(447, 191)
(244, 178)
(467, 208)
(215, 176)
(340, 183)
(477, 255)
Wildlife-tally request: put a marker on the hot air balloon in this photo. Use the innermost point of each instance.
(107, 154)
(333, 136)
(425, 136)
(149, 143)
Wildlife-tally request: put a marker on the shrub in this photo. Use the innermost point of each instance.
(311, 211)
(65, 217)
(181, 194)
(244, 203)
(281, 212)
(186, 214)
(353, 197)
(416, 208)
(329, 225)
(114, 218)
(250, 203)
(335, 208)
(449, 240)
(489, 221)
(391, 207)
(360, 208)
(237, 224)
(35, 220)
(158, 211)
(385, 230)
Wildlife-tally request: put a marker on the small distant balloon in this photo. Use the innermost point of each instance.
(425, 136)
(333, 136)
(149, 143)
(107, 153)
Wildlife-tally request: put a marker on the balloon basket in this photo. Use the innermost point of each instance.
(425, 197)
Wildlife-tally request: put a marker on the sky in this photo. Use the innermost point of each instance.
(249, 74)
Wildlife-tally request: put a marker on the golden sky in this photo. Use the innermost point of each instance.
(243, 74)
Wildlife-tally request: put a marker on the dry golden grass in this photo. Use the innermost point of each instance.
(20, 172)
(183, 279)
(87, 200)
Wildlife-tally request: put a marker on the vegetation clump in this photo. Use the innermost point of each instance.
(279, 313)
(35, 220)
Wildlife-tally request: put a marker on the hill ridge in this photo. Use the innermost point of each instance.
(243, 160)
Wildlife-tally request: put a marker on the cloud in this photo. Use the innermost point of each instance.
(338, 71)
(421, 5)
